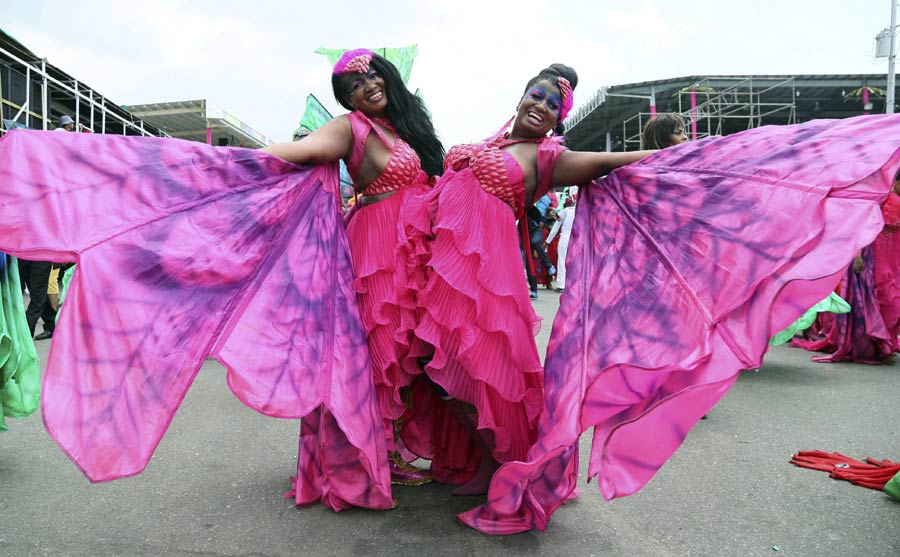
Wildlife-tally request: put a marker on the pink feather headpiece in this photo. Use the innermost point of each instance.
(565, 91)
(354, 61)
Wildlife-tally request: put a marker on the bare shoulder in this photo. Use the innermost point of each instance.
(338, 124)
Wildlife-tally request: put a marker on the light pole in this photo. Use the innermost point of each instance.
(891, 77)
(886, 47)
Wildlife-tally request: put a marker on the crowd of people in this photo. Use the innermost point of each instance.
(404, 329)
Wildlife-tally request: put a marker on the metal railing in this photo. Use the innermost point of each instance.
(97, 103)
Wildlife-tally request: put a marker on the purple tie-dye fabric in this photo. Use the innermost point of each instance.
(186, 250)
(680, 269)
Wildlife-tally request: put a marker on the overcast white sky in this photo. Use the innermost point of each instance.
(255, 58)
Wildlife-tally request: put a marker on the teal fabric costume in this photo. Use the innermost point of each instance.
(833, 303)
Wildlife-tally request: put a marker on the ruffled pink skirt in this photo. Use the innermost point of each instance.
(477, 315)
(389, 270)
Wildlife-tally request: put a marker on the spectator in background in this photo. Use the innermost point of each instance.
(53, 287)
(550, 247)
(663, 131)
(66, 124)
(36, 276)
(563, 227)
(535, 221)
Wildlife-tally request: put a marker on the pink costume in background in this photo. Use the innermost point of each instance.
(681, 267)
(184, 251)
(476, 310)
(868, 334)
(389, 267)
(886, 249)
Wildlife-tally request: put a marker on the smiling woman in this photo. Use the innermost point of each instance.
(365, 91)
(391, 150)
(680, 269)
(476, 310)
(243, 257)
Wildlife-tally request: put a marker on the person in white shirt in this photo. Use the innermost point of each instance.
(563, 227)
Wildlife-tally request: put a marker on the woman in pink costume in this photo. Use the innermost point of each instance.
(680, 269)
(886, 249)
(477, 312)
(186, 251)
(868, 334)
(391, 150)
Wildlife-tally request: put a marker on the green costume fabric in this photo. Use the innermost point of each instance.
(892, 488)
(833, 303)
(315, 115)
(401, 57)
(67, 278)
(19, 371)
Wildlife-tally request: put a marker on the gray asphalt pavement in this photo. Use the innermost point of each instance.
(215, 484)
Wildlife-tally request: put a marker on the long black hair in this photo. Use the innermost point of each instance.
(406, 113)
(550, 73)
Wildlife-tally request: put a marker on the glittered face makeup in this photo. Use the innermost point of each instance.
(358, 80)
(365, 92)
(538, 111)
(540, 92)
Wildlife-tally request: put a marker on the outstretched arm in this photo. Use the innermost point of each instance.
(327, 144)
(579, 167)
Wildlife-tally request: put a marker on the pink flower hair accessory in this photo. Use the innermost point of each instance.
(354, 61)
(565, 91)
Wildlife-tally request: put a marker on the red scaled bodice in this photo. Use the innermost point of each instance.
(498, 173)
(403, 167)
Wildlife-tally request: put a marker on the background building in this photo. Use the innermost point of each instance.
(613, 118)
(36, 94)
(197, 121)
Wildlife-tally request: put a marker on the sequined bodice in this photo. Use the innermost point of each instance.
(404, 168)
(498, 173)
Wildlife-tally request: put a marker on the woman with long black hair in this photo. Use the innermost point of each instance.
(391, 151)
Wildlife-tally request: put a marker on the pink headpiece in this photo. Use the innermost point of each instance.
(565, 91)
(354, 61)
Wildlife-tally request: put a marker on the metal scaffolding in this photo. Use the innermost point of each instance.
(196, 120)
(35, 94)
(706, 109)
